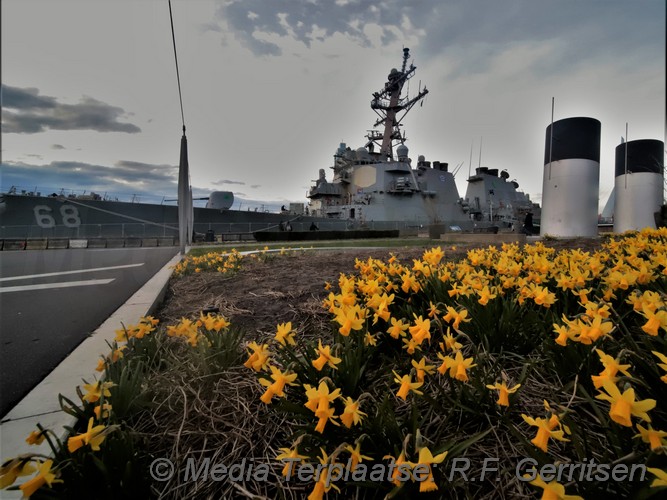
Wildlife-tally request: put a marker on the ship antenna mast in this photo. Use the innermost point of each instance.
(392, 108)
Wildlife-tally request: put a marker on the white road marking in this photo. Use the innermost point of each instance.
(46, 286)
(61, 273)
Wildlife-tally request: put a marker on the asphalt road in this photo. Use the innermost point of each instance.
(51, 300)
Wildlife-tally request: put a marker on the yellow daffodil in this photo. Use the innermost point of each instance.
(553, 490)
(350, 318)
(397, 328)
(456, 316)
(94, 436)
(655, 320)
(291, 455)
(351, 415)
(457, 366)
(355, 455)
(44, 477)
(611, 368)
(325, 357)
(651, 436)
(662, 358)
(13, 469)
(450, 342)
(407, 385)
(36, 437)
(623, 406)
(285, 334)
(97, 390)
(545, 430)
(485, 295)
(318, 402)
(421, 329)
(102, 411)
(259, 358)
(422, 369)
(661, 477)
(427, 458)
(277, 387)
(503, 392)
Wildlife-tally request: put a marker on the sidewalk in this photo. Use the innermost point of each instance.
(41, 404)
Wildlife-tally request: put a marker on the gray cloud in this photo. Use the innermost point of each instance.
(476, 31)
(57, 146)
(255, 186)
(26, 112)
(226, 181)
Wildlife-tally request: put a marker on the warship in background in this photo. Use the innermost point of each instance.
(378, 182)
(374, 187)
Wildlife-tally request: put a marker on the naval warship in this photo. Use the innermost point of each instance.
(374, 187)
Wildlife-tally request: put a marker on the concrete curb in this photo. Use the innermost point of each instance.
(41, 404)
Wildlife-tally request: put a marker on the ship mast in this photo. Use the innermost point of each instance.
(392, 108)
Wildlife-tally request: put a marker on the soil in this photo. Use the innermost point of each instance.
(275, 289)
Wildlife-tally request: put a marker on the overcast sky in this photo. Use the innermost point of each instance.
(90, 100)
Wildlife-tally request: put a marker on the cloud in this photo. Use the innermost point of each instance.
(255, 186)
(26, 112)
(225, 181)
(476, 31)
(57, 146)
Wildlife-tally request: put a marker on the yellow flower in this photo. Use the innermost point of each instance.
(36, 437)
(545, 430)
(662, 358)
(422, 369)
(288, 454)
(102, 411)
(397, 328)
(355, 455)
(14, 469)
(350, 318)
(503, 392)
(318, 402)
(421, 330)
(277, 387)
(94, 436)
(284, 334)
(457, 366)
(44, 476)
(553, 490)
(427, 458)
(351, 415)
(655, 320)
(326, 358)
(259, 359)
(456, 316)
(655, 438)
(485, 295)
(611, 368)
(96, 390)
(407, 385)
(661, 476)
(450, 342)
(623, 406)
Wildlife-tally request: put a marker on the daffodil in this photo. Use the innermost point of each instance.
(318, 402)
(285, 334)
(351, 415)
(611, 368)
(397, 328)
(407, 385)
(655, 438)
(456, 316)
(546, 429)
(94, 436)
(450, 342)
(323, 482)
(277, 387)
(422, 369)
(623, 406)
(655, 320)
(350, 318)
(503, 392)
(259, 358)
(13, 469)
(485, 295)
(553, 490)
(44, 477)
(457, 366)
(325, 357)
(291, 455)
(36, 437)
(662, 358)
(355, 455)
(421, 329)
(97, 390)
(661, 477)
(427, 458)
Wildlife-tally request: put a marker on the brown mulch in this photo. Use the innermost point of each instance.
(276, 289)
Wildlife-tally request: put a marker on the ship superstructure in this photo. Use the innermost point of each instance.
(378, 182)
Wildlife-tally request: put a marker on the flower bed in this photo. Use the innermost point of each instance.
(513, 371)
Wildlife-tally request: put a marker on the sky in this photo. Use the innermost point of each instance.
(270, 88)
